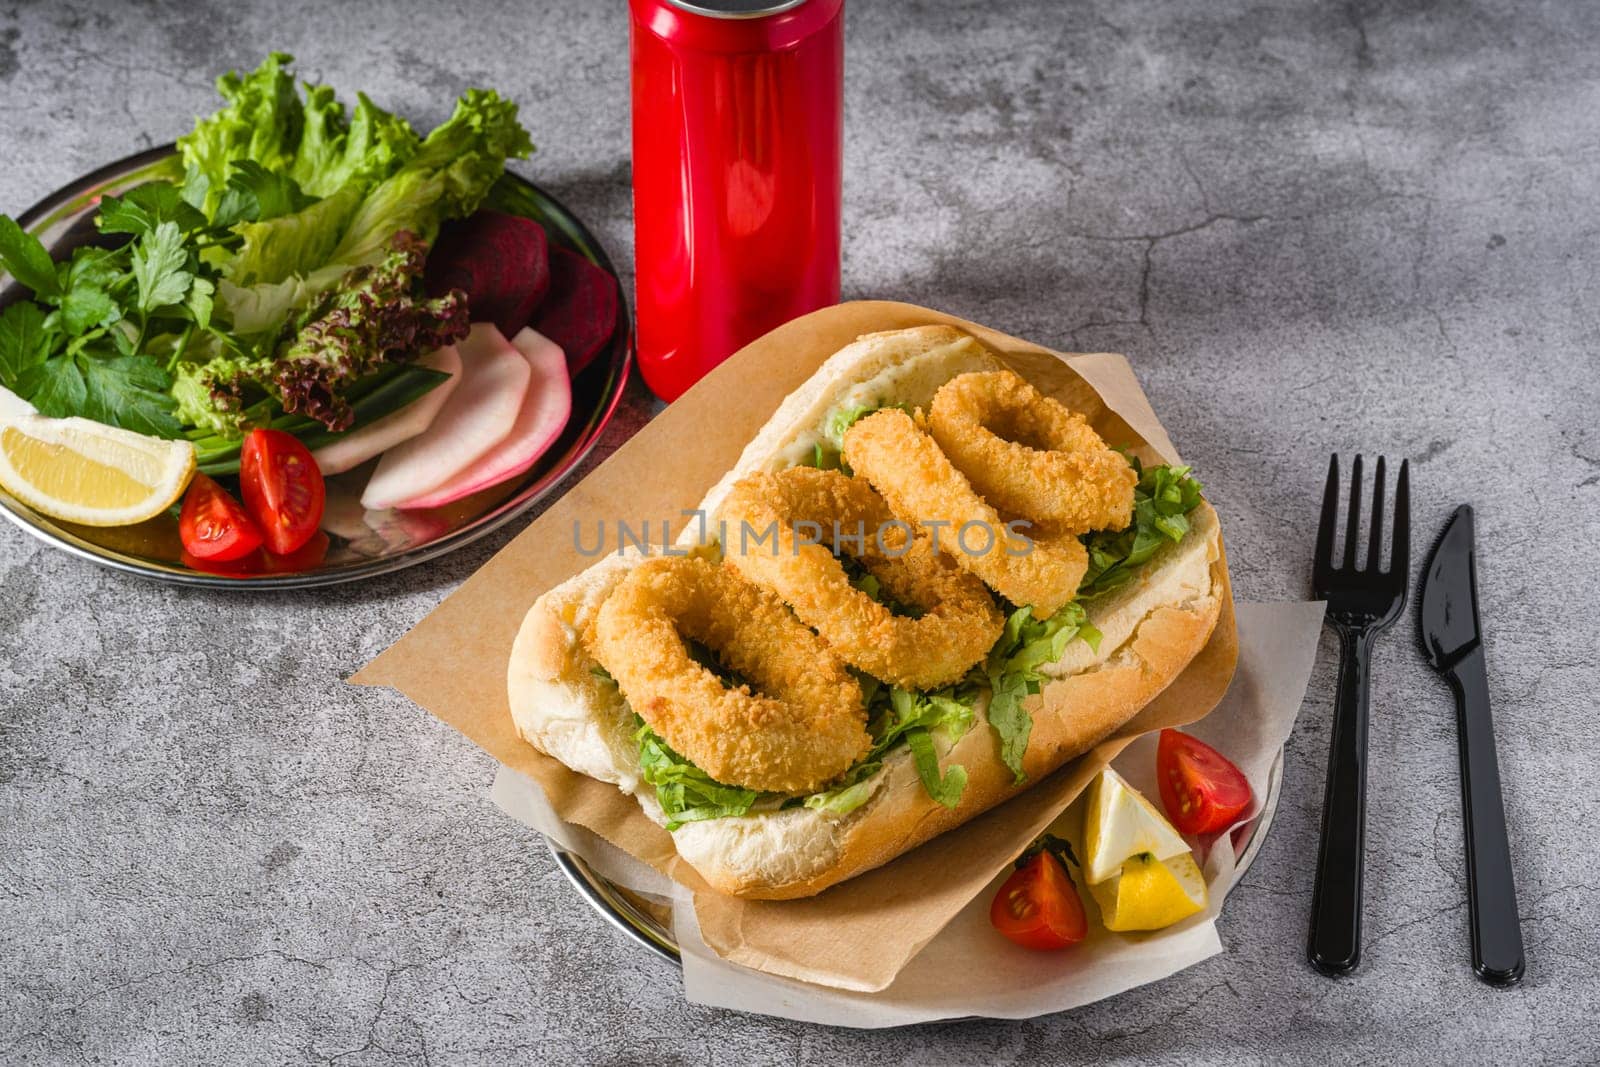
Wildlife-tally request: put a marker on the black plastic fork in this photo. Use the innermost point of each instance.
(1362, 603)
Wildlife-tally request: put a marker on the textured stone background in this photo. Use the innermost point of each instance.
(1311, 227)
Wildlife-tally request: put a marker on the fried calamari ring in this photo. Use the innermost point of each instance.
(814, 514)
(799, 723)
(909, 470)
(1028, 455)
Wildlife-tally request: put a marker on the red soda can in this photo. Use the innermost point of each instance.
(738, 116)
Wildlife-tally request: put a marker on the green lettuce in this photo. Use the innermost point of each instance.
(309, 141)
(362, 151)
(266, 306)
(1012, 671)
(897, 716)
(448, 177)
(1162, 501)
(262, 122)
(684, 791)
(292, 245)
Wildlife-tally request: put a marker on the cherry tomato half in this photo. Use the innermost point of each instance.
(1038, 906)
(282, 487)
(213, 525)
(1202, 791)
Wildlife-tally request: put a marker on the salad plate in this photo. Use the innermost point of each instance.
(648, 923)
(362, 544)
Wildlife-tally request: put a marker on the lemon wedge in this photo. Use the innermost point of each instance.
(1119, 823)
(89, 473)
(12, 405)
(1150, 894)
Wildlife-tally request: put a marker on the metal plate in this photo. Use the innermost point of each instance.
(362, 544)
(637, 919)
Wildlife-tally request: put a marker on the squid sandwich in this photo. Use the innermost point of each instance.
(926, 586)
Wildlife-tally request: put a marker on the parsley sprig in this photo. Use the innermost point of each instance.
(106, 326)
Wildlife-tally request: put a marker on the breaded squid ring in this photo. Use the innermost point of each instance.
(805, 722)
(815, 514)
(1028, 455)
(921, 485)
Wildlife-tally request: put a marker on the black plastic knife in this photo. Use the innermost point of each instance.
(1453, 642)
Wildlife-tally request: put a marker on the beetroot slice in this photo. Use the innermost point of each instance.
(579, 312)
(501, 262)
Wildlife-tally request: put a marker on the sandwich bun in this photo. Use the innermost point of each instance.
(1153, 626)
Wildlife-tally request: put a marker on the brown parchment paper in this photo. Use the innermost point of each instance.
(857, 935)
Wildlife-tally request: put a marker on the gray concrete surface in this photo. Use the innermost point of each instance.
(1311, 227)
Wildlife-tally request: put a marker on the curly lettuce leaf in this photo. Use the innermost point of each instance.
(448, 177)
(294, 244)
(334, 152)
(946, 790)
(376, 314)
(897, 716)
(262, 121)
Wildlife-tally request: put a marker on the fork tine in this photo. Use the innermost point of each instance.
(1400, 552)
(1352, 527)
(1375, 536)
(1330, 516)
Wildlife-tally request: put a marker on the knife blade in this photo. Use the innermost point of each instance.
(1452, 639)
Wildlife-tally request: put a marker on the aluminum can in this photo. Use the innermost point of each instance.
(738, 109)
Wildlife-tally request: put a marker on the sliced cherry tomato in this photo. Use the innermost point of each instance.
(1202, 791)
(282, 487)
(1038, 906)
(213, 526)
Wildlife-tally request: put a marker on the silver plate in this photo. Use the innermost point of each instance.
(362, 544)
(631, 914)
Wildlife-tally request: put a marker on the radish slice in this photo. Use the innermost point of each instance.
(364, 442)
(476, 417)
(543, 416)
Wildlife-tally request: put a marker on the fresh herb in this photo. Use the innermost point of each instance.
(25, 259)
(26, 339)
(1162, 501)
(145, 207)
(271, 285)
(84, 347)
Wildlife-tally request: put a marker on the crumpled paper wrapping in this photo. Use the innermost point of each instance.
(859, 934)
